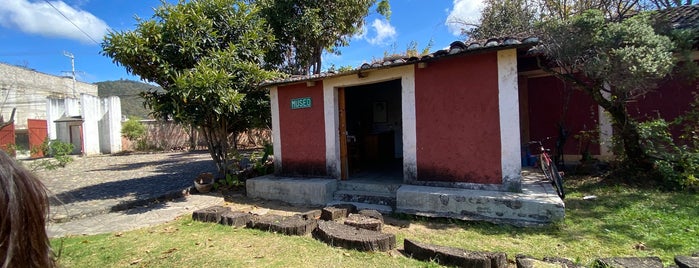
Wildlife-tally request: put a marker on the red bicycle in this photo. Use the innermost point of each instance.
(548, 167)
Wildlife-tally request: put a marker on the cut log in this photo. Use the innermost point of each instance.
(292, 225)
(454, 256)
(687, 261)
(311, 214)
(338, 211)
(524, 261)
(364, 222)
(340, 235)
(235, 219)
(372, 214)
(628, 262)
(210, 214)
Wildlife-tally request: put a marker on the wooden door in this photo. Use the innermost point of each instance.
(38, 132)
(344, 167)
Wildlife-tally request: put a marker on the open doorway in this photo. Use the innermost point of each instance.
(374, 131)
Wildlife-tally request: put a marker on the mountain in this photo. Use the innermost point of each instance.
(128, 91)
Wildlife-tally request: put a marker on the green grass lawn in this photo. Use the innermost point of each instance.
(621, 221)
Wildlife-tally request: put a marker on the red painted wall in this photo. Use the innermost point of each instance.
(38, 131)
(670, 100)
(458, 121)
(7, 137)
(302, 131)
(546, 97)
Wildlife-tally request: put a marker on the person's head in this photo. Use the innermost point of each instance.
(23, 210)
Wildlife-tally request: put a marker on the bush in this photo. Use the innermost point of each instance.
(676, 165)
(133, 129)
(59, 150)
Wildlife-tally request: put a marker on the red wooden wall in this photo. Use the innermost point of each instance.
(38, 132)
(7, 137)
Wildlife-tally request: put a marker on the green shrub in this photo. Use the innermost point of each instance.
(133, 129)
(676, 165)
(60, 151)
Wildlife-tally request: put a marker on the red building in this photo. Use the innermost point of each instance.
(439, 135)
(449, 119)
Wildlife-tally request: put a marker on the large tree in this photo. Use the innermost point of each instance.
(306, 28)
(613, 62)
(207, 57)
(501, 19)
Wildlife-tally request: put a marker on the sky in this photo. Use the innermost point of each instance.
(43, 34)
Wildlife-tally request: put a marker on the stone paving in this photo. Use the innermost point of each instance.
(106, 193)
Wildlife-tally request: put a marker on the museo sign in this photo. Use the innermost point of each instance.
(301, 103)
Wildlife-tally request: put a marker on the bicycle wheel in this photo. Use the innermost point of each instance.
(557, 181)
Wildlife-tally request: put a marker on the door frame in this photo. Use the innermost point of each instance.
(334, 86)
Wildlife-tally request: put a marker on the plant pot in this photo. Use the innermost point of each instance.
(203, 187)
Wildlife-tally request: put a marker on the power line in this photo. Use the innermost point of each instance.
(71, 22)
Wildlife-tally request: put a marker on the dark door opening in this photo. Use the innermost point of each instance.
(374, 131)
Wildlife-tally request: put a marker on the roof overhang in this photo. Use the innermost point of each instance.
(456, 49)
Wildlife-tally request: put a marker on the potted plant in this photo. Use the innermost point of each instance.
(204, 182)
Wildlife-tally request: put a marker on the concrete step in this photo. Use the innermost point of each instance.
(380, 208)
(367, 186)
(378, 198)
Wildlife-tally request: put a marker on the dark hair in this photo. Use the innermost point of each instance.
(24, 208)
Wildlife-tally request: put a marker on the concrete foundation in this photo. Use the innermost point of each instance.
(536, 204)
(300, 191)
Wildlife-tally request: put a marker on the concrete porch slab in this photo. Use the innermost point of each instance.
(298, 191)
(537, 204)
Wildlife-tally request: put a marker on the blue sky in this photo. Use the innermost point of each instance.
(35, 35)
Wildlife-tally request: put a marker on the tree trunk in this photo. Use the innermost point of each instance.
(631, 139)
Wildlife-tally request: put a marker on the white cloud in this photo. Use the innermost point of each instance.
(385, 32)
(42, 19)
(463, 10)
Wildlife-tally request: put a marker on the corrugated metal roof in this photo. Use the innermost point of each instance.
(454, 49)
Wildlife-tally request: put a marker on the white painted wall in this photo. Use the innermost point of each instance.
(508, 97)
(276, 134)
(27, 90)
(110, 125)
(91, 115)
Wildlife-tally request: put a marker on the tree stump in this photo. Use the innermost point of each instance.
(454, 256)
(338, 211)
(364, 222)
(210, 214)
(636, 262)
(340, 235)
(523, 261)
(687, 261)
(293, 225)
(372, 214)
(311, 214)
(235, 219)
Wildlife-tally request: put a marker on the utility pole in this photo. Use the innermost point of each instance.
(72, 65)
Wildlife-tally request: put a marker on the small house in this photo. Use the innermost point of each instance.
(436, 135)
